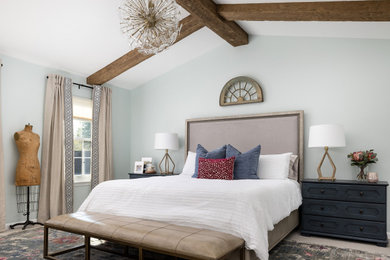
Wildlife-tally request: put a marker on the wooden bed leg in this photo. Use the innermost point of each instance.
(87, 243)
(140, 254)
(45, 242)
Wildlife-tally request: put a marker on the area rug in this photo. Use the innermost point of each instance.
(28, 244)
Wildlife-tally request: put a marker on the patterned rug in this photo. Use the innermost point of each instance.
(29, 245)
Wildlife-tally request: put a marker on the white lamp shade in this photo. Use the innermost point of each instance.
(165, 141)
(326, 135)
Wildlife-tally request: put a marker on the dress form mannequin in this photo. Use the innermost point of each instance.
(28, 172)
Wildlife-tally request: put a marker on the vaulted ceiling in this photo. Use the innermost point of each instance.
(82, 37)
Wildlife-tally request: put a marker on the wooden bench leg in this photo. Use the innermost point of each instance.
(242, 253)
(140, 254)
(46, 242)
(87, 243)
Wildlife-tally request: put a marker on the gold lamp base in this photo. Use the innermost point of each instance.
(167, 160)
(320, 177)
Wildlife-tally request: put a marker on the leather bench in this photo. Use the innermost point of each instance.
(179, 241)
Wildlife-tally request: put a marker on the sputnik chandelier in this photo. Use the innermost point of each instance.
(150, 25)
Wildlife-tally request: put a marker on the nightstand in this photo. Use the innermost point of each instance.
(345, 209)
(147, 175)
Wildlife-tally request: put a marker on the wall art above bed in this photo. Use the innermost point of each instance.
(241, 90)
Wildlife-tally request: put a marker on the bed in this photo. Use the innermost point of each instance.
(220, 205)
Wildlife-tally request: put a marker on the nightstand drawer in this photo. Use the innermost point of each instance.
(321, 191)
(349, 227)
(358, 193)
(364, 193)
(355, 210)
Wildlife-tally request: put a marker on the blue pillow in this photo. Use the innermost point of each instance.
(245, 165)
(201, 152)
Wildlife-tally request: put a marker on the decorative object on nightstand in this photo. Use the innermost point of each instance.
(345, 209)
(148, 165)
(149, 169)
(139, 167)
(372, 177)
(362, 159)
(240, 90)
(326, 136)
(166, 141)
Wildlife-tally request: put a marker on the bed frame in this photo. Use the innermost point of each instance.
(278, 132)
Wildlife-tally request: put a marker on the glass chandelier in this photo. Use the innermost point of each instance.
(150, 25)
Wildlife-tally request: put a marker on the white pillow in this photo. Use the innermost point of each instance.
(189, 166)
(274, 166)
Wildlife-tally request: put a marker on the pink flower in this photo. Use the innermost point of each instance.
(357, 156)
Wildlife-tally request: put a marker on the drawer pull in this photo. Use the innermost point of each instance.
(322, 191)
(321, 225)
(361, 211)
(322, 208)
(361, 228)
(361, 193)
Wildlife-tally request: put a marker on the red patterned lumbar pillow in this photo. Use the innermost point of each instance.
(216, 168)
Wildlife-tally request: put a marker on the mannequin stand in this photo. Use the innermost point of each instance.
(28, 221)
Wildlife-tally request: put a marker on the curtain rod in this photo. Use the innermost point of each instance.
(79, 85)
(82, 85)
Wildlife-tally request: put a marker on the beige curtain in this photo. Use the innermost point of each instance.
(2, 184)
(54, 197)
(105, 137)
(102, 169)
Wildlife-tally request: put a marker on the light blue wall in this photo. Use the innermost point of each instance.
(344, 81)
(22, 102)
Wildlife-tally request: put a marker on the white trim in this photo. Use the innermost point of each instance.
(82, 183)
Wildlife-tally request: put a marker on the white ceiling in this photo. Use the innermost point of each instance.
(82, 36)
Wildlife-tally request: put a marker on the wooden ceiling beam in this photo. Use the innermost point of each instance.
(190, 24)
(206, 11)
(359, 11)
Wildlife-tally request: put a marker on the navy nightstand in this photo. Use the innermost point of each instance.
(147, 175)
(345, 209)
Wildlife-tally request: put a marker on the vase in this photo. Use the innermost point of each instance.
(372, 177)
(362, 175)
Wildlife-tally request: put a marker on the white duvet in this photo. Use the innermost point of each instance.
(245, 208)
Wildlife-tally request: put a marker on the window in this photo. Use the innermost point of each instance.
(82, 134)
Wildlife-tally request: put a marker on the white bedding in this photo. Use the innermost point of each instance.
(245, 208)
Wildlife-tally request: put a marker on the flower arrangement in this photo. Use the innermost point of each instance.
(362, 159)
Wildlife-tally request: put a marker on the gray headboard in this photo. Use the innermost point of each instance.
(278, 132)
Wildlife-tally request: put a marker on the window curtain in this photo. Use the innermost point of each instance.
(2, 186)
(56, 191)
(101, 136)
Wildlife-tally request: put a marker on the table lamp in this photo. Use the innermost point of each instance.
(166, 141)
(326, 136)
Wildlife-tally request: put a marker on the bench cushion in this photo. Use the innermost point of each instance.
(153, 235)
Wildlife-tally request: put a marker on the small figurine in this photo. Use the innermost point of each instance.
(150, 168)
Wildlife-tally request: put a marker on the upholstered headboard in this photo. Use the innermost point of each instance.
(279, 132)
